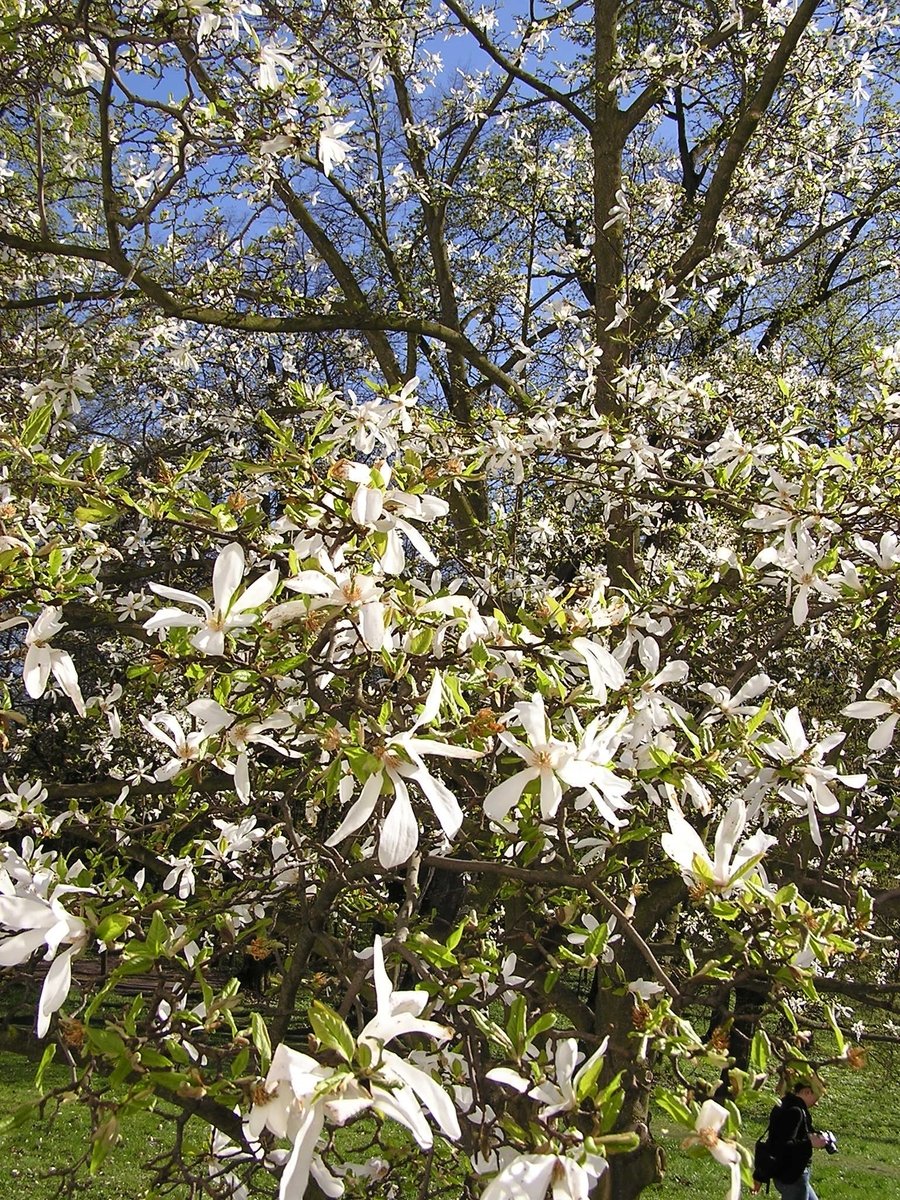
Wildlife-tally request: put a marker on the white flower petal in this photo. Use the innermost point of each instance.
(55, 990)
(361, 810)
(296, 1174)
(259, 591)
(400, 830)
(505, 795)
(227, 575)
(429, 1092)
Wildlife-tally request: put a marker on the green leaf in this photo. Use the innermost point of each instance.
(516, 1025)
(95, 512)
(839, 1039)
(434, 953)
(759, 1051)
(492, 1031)
(105, 1041)
(240, 1064)
(586, 1079)
(152, 1058)
(37, 425)
(676, 1108)
(551, 979)
(758, 717)
(157, 935)
(453, 940)
(331, 1030)
(544, 1022)
(195, 461)
(260, 1035)
(421, 642)
(268, 423)
(46, 1059)
(112, 927)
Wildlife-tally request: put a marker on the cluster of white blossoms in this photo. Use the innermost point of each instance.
(300, 1094)
(32, 910)
(598, 717)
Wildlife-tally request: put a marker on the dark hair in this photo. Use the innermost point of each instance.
(803, 1085)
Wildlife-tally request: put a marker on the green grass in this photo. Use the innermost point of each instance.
(29, 1152)
(861, 1108)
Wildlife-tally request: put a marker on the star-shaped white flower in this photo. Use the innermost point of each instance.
(812, 775)
(727, 869)
(528, 1176)
(888, 708)
(400, 759)
(37, 920)
(229, 611)
(356, 594)
(42, 659)
(557, 764)
(707, 1127)
(333, 150)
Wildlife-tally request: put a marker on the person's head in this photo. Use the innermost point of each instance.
(809, 1091)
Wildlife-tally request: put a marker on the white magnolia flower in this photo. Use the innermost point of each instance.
(528, 1176)
(234, 840)
(727, 869)
(272, 58)
(462, 614)
(42, 659)
(107, 706)
(736, 705)
(558, 765)
(810, 774)
(651, 705)
(227, 611)
(333, 150)
(38, 920)
(798, 558)
(604, 670)
(181, 877)
(645, 989)
(186, 747)
(562, 1096)
(597, 746)
(300, 1094)
(292, 1080)
(389, 511)
(710, 1119)
(356, 594)
(400, 759)
(27, 800)
(240, 736)
(278, 144)
(883, 733)
(287, 1107)
(589, 924)
(401, 1086)
(886, 554)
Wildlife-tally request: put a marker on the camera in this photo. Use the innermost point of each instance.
(830, 1146)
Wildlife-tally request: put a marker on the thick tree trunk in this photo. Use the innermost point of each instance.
(629, 1174)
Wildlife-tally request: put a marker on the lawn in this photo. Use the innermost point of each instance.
(860, 1108)
(29, 1152)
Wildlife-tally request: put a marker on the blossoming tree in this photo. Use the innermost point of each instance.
(448, 561)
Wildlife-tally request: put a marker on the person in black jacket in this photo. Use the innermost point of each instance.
(792, 1138)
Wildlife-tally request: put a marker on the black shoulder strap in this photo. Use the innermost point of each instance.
(800, 1125)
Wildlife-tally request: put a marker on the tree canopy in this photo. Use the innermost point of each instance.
(449, 548)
